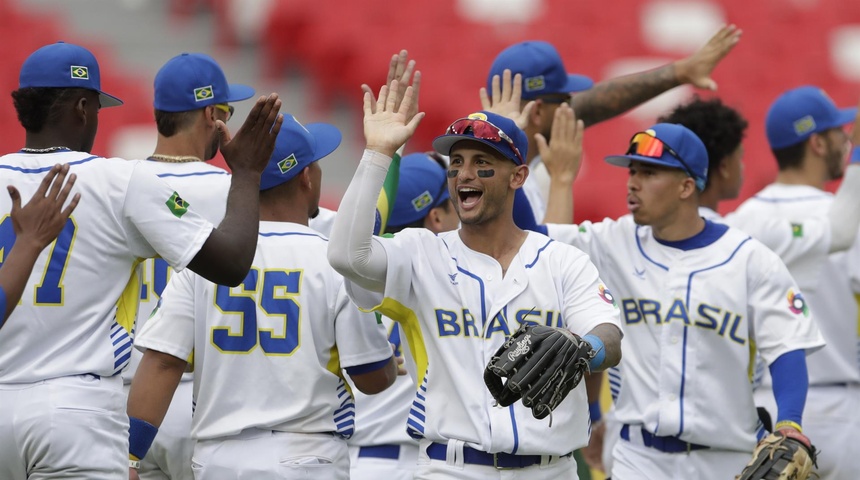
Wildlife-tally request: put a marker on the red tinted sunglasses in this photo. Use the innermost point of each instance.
(647, 145)
(483, 130)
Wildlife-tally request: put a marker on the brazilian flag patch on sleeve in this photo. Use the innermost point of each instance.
(177, 205)
(797, 230)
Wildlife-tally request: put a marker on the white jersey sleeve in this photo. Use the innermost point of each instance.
(359, 337)
(170, 329)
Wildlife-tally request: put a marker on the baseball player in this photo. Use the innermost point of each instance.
(381, 447)
(685, 401)
(458, 295)
(805, 132)
(63, 348)
(270, 398)
(35, 225)
(191, 95)
(545, 82)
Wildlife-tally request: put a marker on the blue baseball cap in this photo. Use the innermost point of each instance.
(64, 65)
(423, 186)
(296, 147)
(194, 80)
(690, 154)
(541, 67)
(800, 112)
(503, 125)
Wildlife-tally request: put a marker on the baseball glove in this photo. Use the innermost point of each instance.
(542, 365)
(786, 454)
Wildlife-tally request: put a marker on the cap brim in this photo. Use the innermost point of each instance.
(239, 92)
(624, 161)
(846, 116)
(108, 100)
(327, 136)
(578, 83)
(443, 144)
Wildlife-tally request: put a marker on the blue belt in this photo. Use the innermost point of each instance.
(664, 444)
(438, 451)
(391, 452)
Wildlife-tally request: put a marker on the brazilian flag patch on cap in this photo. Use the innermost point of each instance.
(80, 73)
(203, 93)
(177, 205)
(287, 164)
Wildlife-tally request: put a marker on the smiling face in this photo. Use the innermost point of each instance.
(655, 193)
(481, 182)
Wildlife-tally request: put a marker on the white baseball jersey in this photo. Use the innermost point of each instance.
(281, 339)
(381, 419)
(534, 191)
(457, 309)
(323, 221)
(205, 188)
(79, 305)
(829, 281)
(694, 313)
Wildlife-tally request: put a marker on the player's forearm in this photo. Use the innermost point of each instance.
(790, 384)
(351, 250)
(15, 272)
(610, 337)
(153, 386)
(226, 256)
(615, 96)
(844, 213)
(377, 380)
(559, 207)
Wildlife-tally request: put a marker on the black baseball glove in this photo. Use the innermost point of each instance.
(542, 365)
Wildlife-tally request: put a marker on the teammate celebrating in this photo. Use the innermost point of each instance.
(459, 294)
(546, 82)
(676, 327)
(285, 333)
(61, 351)
(805, 131)
(191, 96)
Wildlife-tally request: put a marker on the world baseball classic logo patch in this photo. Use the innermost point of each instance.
(203, 93)
(797, 304)
(287, 164)
(80, 73)
(605, 294)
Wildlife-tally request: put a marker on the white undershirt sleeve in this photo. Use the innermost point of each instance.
(844, 212)
(352, 249)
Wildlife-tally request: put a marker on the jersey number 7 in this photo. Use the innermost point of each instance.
(49, 291)
(276, 297)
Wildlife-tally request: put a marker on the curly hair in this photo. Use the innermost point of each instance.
(721, 128)
(35, 106)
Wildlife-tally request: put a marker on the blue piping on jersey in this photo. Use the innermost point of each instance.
(789, 200)
(684, 345)
(193, 174)
(285, 234)
(516, 434)
(541, 249)
(481, 283)
(45, 169)
(710, 234)
(639, 245)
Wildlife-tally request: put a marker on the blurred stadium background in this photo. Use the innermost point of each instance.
(317, 53)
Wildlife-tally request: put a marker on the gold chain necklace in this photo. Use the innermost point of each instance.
(174, 158)
(44, 150)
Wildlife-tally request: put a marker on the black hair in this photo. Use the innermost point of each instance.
(720, 127)
(791, 156)
(170, 123)
(35, 106)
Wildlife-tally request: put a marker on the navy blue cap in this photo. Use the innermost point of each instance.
(684, 142)
(800, 112)
(423, 185)
(190, 81)
(443, 143)
(296, 147)
(64, 65)
(541, 67)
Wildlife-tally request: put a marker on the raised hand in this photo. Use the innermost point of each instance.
(696, 69)
(252, 145)
(401, 69)
(386, 125)
(562, 154)
(506, 98)
(42, 219)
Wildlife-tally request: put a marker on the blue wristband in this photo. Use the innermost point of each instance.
(594, 411)
(596, 344)
(140, 436)
(855, 155)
